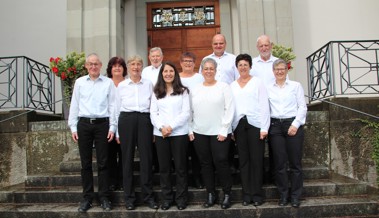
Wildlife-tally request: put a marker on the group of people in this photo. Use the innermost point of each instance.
(234, 101)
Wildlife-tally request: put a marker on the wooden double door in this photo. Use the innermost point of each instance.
(177, 27)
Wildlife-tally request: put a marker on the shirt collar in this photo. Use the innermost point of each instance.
(101, 77)
(215, 56)
(141, 81)
(271, 59)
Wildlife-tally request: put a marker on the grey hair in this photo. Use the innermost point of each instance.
(134, 58)
(93, 54)
(208, 60)
(279, 61)
(156, 49)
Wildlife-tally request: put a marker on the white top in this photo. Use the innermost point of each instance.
(226, 67)
(93, 99)
(251, 101)
(288, 101)
(263, 69)
(193, 81)
(133, 97)
(172, 110)
(151, 73)
(212, 109)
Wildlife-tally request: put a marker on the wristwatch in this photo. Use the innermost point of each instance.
(160, 129)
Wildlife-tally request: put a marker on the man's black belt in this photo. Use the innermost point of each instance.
(282, 119)
(93, 120)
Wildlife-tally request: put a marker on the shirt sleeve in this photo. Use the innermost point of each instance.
(154, 112)
(264, 107)
(301, 107)
(74, 108)
(112, 108)
(229, 109)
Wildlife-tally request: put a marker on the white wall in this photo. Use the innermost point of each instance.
(36, 29)
(316, 22)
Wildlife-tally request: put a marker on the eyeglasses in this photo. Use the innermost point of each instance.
(280, 69)
(187, 61)
(93, 64)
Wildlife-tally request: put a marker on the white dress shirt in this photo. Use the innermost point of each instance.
(288, 101)
(173, 111)
(193, 81)
(93, 99)
(263, 69)
(213, 109)
(251, 101)
(133, 97)
(151, 73)
(226, 67)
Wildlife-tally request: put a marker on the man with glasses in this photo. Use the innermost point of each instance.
(92, 123)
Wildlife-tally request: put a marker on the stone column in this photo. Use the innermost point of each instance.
(95, 26)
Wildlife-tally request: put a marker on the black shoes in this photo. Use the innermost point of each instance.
(152, 204)
(295, 203)
(84, 206)
(198, 184)
(166, 205)
(106, 205)
(257, 203)
(181, 206)
(130, 206)
(283, 202)
(226, 202)
(210, 201)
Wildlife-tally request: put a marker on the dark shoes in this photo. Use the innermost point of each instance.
(106, 205)
(226, 202)
(283, 202)
(152, 204)
(166, 205)
(198, 184)
(181, 206)
(84, 206)
(295, 203)
(210, 201)
(257, 203)
(129, 206)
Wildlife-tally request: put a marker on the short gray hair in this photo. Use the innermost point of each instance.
(279, 61)
(208, 60)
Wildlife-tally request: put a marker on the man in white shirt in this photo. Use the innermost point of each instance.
(151, 72)
(262, 64)
(92, 121)
(226, 69)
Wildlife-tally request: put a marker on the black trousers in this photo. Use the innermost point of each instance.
(194, 163)
(287, 150)
(214, 154)
(167, 148)
(135, 129)
(251, 155)
(115, 164)
(89, 135)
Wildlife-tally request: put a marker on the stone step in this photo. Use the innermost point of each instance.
(74, 179)
(69, 194)
(352, 206)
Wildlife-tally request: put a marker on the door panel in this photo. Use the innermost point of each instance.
(175, 37)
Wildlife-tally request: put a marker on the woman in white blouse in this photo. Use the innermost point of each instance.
(286, 134)
(169, 112)
(250, 124)
(213, 110)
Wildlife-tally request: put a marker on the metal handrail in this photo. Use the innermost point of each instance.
(356, 70)
(345, 107)
(26, 83)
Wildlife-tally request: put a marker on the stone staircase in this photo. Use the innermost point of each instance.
(57, 194)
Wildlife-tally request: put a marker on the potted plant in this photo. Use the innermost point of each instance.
(68, 70)
(285, 53)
